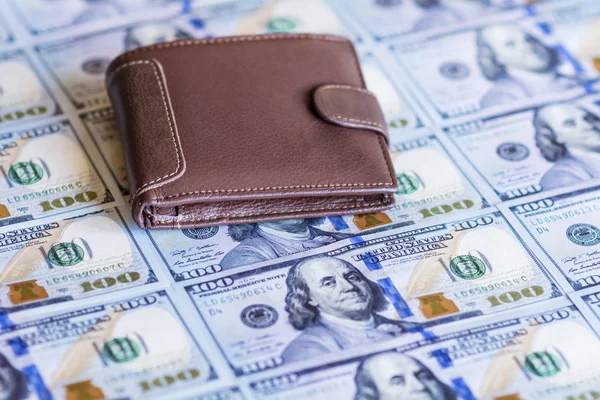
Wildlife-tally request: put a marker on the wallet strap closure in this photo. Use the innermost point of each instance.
(350, 107)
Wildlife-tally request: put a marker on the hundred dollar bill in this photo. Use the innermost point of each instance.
(274, 16)
(23, 95)
(388, 18)
(130, 348)
(193, 253)
(398, 112)
(577, 25)
(67, 260)
(534, 150)
(567, 229)
(500, 63)
(426, 191)
(588, 302)
(368, 289)
(528, 356)
(42, 15)
(79, 64)
(430, 184)
(102, 126)
(37, 180)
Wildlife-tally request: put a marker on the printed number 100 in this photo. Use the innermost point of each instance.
(67, 201)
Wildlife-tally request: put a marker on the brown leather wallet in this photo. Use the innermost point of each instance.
(249, 128)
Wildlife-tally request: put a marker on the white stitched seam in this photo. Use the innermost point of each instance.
(360, 121)
(162, 94)
(339, 117)
(349, 88)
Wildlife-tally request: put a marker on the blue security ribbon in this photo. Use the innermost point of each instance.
(462, 389)
(36, 381)
(338, 223)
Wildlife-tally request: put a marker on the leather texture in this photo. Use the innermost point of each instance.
(351, 107)
(249, 128)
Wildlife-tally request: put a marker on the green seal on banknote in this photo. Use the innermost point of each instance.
(65, 254)
(542, 364)
(281, 24)
(121, 350)
(407, 184)
(25, 173)
(467, 267)
(583, 234)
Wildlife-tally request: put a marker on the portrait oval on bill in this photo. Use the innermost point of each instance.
(568, 136)
(518, 64)
(335, 307)
(392, 376)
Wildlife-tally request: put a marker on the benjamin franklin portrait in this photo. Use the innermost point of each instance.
(394, 376)
(518, 64)
(269, 240)
(335, 307)
(569, 137)
(13, 383)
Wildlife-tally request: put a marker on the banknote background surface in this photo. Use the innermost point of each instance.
(482, 282)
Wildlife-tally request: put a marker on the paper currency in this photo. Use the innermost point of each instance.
(588, 302)
(274, 16)
(577, 24)
(43, 15)
(398, 112)
(102, 126)
(193, 253)
(388, 18)
(426, 192)
(525, 356)
(454, 293)
(368, 289)
(38, 181)
(129, 348)
(23, 95)
(501, 63)
(79, 64)
(534, 150)
(232, 393)
(430, 184)
(66, 260)
(567, 228)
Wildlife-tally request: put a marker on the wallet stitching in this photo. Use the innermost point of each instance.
(329, 113)
(336, 207)
(349, 88)
(251, 38)
(361, 121)
(269, 188)
(162, 93)
(384, 153)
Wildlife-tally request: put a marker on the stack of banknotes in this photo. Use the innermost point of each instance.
(483, 281)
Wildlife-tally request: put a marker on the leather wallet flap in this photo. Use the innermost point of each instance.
(215, 131)
(350, 107)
